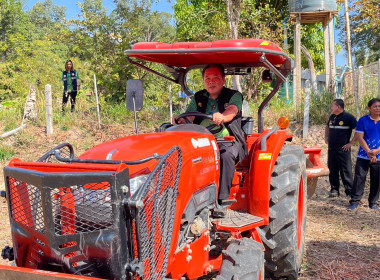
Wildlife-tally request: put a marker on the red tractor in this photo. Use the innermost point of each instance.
(139, 207)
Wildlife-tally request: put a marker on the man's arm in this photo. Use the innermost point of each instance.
(327, 134)
(371, 153)
(226, 116)
(351, 143)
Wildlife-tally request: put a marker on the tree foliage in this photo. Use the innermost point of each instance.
(35, 44)
(366, 26)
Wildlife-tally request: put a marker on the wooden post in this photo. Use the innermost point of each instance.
(360, 82)
(305, 130)
(97, 101)
(348, 34)
(378, 78)
(49, 110)
(332, 57)
(297, 55)
(327, 56)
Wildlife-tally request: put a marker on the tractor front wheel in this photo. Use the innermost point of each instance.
(284, 237)
(243, 259)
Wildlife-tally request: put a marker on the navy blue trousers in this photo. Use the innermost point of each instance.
(361, 170)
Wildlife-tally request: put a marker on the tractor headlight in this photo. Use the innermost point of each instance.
(136, 182)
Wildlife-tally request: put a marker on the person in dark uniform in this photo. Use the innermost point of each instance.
(225, 106)
(337, 135)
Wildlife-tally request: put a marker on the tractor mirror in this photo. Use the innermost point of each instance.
(266, 76)
(135, 95)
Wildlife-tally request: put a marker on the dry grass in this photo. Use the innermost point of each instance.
(339, 244)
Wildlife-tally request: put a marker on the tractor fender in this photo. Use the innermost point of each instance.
(260, 171)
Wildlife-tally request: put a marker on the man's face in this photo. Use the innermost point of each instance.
(213, 80)
(334, 108)
(375, 108)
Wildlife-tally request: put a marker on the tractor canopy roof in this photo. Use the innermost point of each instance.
(237, 56)
(226, 52)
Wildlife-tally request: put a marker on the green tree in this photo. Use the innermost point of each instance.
(47, 18)
(13, 28)
(365, 22)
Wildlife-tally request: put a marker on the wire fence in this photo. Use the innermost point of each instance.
(367, 85)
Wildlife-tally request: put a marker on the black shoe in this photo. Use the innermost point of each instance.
(373, 206)
(219, 213)
(334, 193)
(352, 207)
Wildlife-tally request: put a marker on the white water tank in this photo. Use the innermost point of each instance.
(299, 6)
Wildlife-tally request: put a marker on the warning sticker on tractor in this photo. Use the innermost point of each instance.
(266, 43)
(200, 142)
(265, 156)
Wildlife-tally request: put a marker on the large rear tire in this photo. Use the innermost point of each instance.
(284, 237)
(243, 259)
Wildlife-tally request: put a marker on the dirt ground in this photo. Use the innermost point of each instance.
(339, 244)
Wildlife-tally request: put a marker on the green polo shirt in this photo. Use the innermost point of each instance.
(69, 83)
(212, 107)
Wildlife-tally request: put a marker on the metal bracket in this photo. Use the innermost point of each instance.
(266, 62)
(263, 143)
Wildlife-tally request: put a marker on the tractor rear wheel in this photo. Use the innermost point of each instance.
(284, 237)
(243, 259)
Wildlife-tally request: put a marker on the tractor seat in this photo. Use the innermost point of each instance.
(247, 125)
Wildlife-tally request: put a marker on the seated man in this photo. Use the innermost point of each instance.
(225, 106)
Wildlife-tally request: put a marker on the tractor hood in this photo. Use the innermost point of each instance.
(137, 147)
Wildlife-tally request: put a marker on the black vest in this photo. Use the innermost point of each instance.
(234, 126)
(73, 75)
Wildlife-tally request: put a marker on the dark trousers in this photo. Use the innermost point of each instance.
(339, 162)
(228, 155)
(65, 98)
(361, 170)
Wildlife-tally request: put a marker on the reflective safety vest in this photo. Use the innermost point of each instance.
(73, 75)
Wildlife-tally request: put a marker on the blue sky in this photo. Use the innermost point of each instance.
(72, 10)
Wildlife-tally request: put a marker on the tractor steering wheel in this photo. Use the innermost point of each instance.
(210, 128)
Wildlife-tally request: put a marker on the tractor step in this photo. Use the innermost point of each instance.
(234, 220)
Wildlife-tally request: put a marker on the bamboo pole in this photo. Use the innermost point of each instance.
(305, 130)
(326, 55)
(97, 101)
(332, 57)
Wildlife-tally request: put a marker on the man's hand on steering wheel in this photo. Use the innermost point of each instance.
(218, 118)
(190, 116)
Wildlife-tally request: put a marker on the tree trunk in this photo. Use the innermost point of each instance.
(233, 11)
(313, 77)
